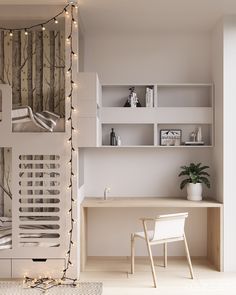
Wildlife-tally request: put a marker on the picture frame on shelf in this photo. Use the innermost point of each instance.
(170, 137)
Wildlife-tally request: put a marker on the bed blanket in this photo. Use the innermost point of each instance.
(45, 120)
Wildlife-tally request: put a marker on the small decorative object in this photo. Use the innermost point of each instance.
(149, 97)
(199, 134)
(118, 140)
(132, 100)
(195, 137)
(112, 137)
(195, 177)
(170, 137)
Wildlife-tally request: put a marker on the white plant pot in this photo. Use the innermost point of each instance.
(194, 191)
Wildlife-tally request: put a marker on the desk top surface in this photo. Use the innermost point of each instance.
(147, 202)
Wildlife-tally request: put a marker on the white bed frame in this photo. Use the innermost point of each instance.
(34, 261)
(40, 261)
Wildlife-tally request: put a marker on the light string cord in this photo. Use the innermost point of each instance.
(38, 24)
(71, 162)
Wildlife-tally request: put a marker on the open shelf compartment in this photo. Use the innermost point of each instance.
(185, 95)
(116, 95)
(130, 134)
(186, 130)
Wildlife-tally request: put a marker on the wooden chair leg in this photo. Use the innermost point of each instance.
(150, 255)
(165, 254)
(188, 257)
(132, 253)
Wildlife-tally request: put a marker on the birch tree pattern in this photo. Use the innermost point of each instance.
(33, 65)
(5, 182)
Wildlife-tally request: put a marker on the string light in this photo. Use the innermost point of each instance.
(42, 25)
(47, 282)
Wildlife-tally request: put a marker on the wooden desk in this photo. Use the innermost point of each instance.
(214, 219)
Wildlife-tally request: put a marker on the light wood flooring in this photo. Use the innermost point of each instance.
(173, 280)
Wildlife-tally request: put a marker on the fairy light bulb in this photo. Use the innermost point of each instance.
(43, 28)
(11, 33)
(26, 32)
(55, 21)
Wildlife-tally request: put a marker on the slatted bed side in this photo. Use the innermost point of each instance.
(39, 207)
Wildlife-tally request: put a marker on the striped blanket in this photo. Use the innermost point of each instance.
(45, 120)
(5, 233)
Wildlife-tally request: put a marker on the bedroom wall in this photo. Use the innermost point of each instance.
(229, 160)
(162, 57)
(33, 64)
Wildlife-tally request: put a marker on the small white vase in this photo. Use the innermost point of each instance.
(194, 191)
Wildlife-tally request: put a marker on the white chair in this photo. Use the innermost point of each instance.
(167, 228)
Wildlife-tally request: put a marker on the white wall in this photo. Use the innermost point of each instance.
(229, 142)
(164, 57)
(102, 241)
(140, 172)
(217, 75)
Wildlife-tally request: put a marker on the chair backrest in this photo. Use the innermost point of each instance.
(169, 226)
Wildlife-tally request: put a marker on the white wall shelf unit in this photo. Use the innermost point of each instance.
(175, 106)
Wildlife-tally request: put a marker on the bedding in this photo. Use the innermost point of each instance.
(6, 234)
(25, 120)
(45, 120)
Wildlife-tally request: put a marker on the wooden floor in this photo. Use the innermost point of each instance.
(173, 280)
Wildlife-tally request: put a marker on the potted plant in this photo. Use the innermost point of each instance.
(196, 176)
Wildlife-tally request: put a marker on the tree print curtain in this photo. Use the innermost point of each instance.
(33, 65)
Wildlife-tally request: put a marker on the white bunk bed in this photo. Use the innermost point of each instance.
(35, 243)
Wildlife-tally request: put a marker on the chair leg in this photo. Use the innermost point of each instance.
(132, 253)
(188, 257)
(165, 254)
(150, 255)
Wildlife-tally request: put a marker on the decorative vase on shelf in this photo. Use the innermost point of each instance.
(199, 134)
(194, 191)
(112, 137)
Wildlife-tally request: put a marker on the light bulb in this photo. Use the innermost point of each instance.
(55, 21)
(43, 28)
(26, 32)
(11, 33)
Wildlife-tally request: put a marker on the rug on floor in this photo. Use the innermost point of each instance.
(83, 288)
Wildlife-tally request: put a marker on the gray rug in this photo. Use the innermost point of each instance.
(83, 288)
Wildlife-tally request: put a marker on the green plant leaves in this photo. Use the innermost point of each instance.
(195, 174)
(184, 182)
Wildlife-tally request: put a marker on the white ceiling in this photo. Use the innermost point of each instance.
(145, 15)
